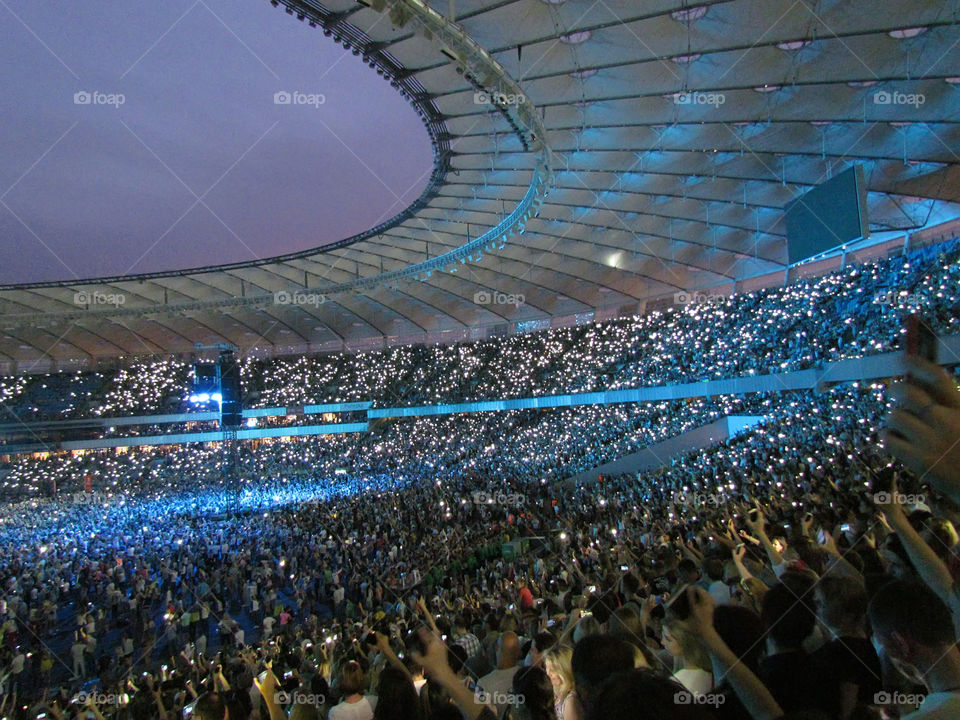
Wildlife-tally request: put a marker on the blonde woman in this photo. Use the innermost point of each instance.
(557, 663)
(690, 660)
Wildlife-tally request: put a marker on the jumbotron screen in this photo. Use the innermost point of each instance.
(833, 213)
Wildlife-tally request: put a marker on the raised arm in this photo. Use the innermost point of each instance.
(434, 661)
(754, 695)
(383, 645)
(268, 689)
(738, 554)
(924, 430)
(757, 524)
(932, 569)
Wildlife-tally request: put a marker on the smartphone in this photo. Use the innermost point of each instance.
(624, 568)
(261, 677)
(188, 710)
(592, 588)
(921, 341)
(288, 674)
(821, 536)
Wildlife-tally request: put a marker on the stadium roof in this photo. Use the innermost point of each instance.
(658, 141)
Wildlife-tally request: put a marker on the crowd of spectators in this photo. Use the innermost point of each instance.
(549, 444)
(445, 567)
(850, 313)
(796, 569)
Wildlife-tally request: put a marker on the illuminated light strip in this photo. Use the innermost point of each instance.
(202, 437)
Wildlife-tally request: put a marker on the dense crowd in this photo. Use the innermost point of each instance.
(795, 569)
(849, 313)
(548, 444)
(446, 566)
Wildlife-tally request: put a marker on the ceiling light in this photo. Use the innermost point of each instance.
(793, 45)
(576, 38)
(689, 14)
(862, 83)
(907, 33)
(767, 88)
(686, 59)
(584, 74)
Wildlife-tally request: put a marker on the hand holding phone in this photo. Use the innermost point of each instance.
(920, 340)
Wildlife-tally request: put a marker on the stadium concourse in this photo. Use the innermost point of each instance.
(600, 263)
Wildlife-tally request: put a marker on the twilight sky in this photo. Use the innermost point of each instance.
(195, 164)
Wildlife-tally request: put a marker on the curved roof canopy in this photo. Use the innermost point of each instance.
(588, 156)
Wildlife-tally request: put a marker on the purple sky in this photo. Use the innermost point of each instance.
(102, 189)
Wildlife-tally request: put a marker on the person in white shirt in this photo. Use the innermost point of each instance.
(17, 665)
(494, 688)
(913, 627)
(355, 705)
(78, 650)
(690, 659)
